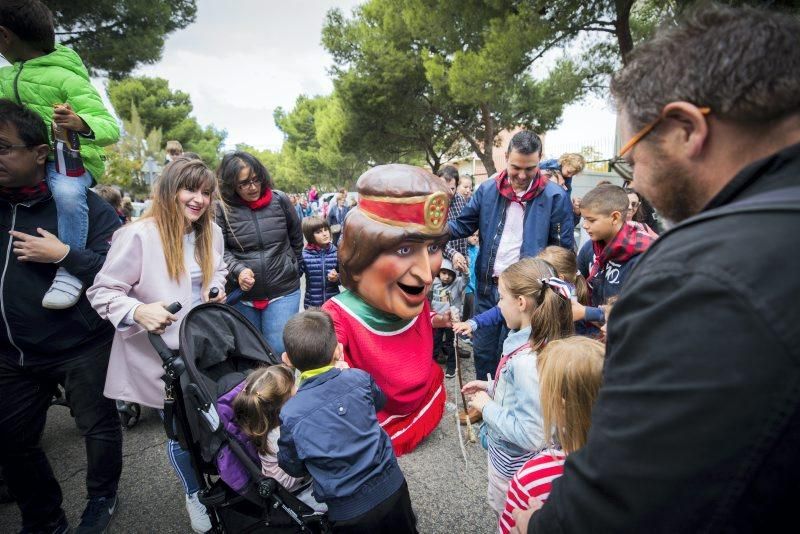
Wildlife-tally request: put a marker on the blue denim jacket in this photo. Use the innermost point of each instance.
(548, 221)
(514, 415)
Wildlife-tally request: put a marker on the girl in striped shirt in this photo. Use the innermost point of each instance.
(536, 307)
(571, 371)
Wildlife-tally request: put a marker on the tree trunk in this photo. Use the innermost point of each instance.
(622, 28)
(488, 140)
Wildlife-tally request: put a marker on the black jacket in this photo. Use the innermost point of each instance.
(30, 333)
(697, 426)
(269, 241)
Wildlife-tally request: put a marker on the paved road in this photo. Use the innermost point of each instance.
(448, 496)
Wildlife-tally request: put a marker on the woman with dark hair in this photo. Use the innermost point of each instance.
(641, 214)
(263, 245)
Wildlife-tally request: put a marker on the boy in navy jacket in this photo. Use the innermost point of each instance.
(329, 430)
(614, 249)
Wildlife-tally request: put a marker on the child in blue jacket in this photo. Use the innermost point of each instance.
(320, 263)
(330, 430)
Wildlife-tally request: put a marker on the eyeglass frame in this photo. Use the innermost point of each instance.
(5, 150)
(641, 134)
(242, 186)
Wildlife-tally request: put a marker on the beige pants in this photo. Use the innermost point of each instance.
(497, 490)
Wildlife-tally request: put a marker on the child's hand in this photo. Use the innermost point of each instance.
(462, 328)
(64, 117)
(460, 263)
(333, 276)
(479, 400)
(474, 386)
(441, 320)
(246, 279)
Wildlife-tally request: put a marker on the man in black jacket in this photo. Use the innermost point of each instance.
(697, 425)
(40, 348)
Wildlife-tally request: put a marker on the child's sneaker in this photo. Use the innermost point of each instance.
(198, 515)
(450, 372)
(64, 292)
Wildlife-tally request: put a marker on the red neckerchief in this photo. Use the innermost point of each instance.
(626, 244)
(504, 360)
(15, 195)
(504, 187)
(313, 246)
(266, 197)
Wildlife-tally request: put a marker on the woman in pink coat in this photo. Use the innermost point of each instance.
(173, 253)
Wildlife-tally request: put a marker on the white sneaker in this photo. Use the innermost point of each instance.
(198, 515)
(64, 292)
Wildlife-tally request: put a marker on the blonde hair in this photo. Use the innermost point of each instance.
(258, 405)
(174, 147)
(576, 162)
(551, 316)
(565, 263)
(183, 173)
(570, 375)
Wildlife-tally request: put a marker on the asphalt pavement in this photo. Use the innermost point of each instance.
(448, 495)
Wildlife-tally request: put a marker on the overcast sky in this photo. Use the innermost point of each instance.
(241, 59)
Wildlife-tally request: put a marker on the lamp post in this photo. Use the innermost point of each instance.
(151, 170)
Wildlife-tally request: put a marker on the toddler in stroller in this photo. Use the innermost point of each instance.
(218, 349)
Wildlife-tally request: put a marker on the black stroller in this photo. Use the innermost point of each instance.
(218, 347)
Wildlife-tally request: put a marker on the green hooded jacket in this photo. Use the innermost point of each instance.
(57, 78)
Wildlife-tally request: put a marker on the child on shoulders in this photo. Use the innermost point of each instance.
(320, 263)
(570, 374)
(51, 80)
(330, 430)
(256, 410)
(536, 307)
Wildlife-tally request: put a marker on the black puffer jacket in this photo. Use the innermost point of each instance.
(269, 241)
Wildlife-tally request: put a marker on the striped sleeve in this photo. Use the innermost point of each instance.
(532, 480)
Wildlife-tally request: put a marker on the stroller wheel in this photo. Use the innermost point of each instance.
(129, 413)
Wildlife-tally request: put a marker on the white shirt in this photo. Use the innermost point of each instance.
(511, 238)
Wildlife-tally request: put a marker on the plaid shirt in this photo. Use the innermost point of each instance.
(456, 245)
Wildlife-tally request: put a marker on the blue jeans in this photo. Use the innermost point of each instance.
(271, 320)
(487, 342)
(181, 462)
(73, 212)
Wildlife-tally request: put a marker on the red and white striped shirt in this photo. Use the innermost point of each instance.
(532, 480)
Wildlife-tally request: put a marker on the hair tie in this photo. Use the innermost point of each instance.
(559, 286)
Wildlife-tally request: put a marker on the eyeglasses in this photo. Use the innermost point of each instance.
(5, 150)
(248, 183)
(638, 136)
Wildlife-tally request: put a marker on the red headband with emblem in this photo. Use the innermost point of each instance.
(425, 213)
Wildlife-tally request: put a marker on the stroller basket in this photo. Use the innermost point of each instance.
(218, 348)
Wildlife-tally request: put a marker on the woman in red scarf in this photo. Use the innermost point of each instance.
(263, 245)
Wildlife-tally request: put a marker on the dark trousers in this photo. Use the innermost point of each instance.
(443, 341)
(487, 342)
(469, 306)
(25, 394)
(392, 516)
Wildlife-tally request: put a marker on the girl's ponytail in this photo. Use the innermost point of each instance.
(551, 317)
(258, 405)
(581, 289)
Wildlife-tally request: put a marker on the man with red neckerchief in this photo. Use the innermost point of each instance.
(519, 213)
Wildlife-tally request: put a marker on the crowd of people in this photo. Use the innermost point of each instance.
(634, 380)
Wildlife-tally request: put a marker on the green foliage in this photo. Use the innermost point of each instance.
(125, 160)
(313, 150)
(162, 108)
(431, 78)
(115, 36)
